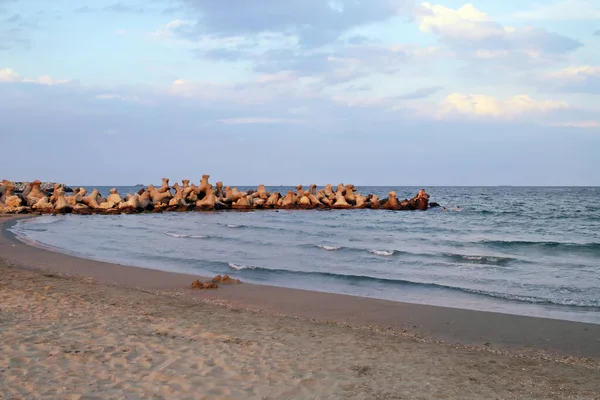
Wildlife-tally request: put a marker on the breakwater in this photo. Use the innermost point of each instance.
(190, 197)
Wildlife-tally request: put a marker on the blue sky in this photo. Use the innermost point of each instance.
(379, 92)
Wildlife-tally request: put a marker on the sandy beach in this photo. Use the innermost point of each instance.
(80, 329)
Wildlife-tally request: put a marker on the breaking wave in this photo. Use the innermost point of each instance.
(366, 278)
(177, 235)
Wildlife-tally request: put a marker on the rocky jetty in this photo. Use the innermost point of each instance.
(45, 186)
(34, 197)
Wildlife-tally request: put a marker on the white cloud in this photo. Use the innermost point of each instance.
(564, 10)
(120, 32)
(257, 120)
(358, 100)
(465, 22)
(473, 34)
(483, 106)
(9, 75)
(184, 33)
(114, 96)
(169, 29)
(252, 93)
(574, 79)
(282, 76)
(576, 74)
(578, 124)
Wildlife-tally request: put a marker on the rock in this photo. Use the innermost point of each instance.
(209, 201)
(47, 187)
(391, 203)
(92, 199)
(225, 279)
(107, 205)
(340, 200)
(37, 195)
(43, 204)
(13, 201)
(204, 285)
(114, 196)
(159, 197)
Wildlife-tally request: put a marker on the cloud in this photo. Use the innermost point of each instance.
(315, 22)
(120, 32)
(85, 9)
(13, 33)
(358, 88)
(7, 75)
(582, 79)
(119, 97)
(118, 7)
(344, 64)
(421, 93)
(597, 33)
(121, 7)
(564, 10)
(458, 105)
(61, 118)
(267, 89)
(466, 22)
(269, 51)
(474, 35)
(578, 124)
(257, 120)
(171, 28)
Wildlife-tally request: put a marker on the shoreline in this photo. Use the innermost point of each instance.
(488, 331)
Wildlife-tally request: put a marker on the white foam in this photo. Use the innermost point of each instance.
(43, 220)
(239, 267)
(382, 252)
(232, 226)
(491, 259)
(472, 257)
(328, 248)
(177, 235)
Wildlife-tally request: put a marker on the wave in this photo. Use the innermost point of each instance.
(497, 212)
(29, 229)
(542, 244)
(277, 229)
(256, 227)
(46, 219)
(328, 248)
(358, 250)
(240, 267)
(459, 258)
(382, 252)
(177, 235)
(480, 259)
(587, 303)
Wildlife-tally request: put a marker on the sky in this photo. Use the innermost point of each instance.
(370, 92)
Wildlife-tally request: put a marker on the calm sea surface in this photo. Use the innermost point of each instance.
(530, 251)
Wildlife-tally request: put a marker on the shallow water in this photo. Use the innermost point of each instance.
(530, 251)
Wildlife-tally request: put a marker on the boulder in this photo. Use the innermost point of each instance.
(43, 205)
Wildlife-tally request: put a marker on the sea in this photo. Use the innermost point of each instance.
(518, 250)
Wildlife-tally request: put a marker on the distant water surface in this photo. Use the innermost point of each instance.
(530, 251)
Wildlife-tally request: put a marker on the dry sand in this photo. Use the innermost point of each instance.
(75, 338)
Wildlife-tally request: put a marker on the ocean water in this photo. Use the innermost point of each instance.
(529, 251)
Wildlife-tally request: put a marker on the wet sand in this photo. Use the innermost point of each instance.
(76, 328)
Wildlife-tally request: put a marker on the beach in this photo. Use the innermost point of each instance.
(74, 328)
